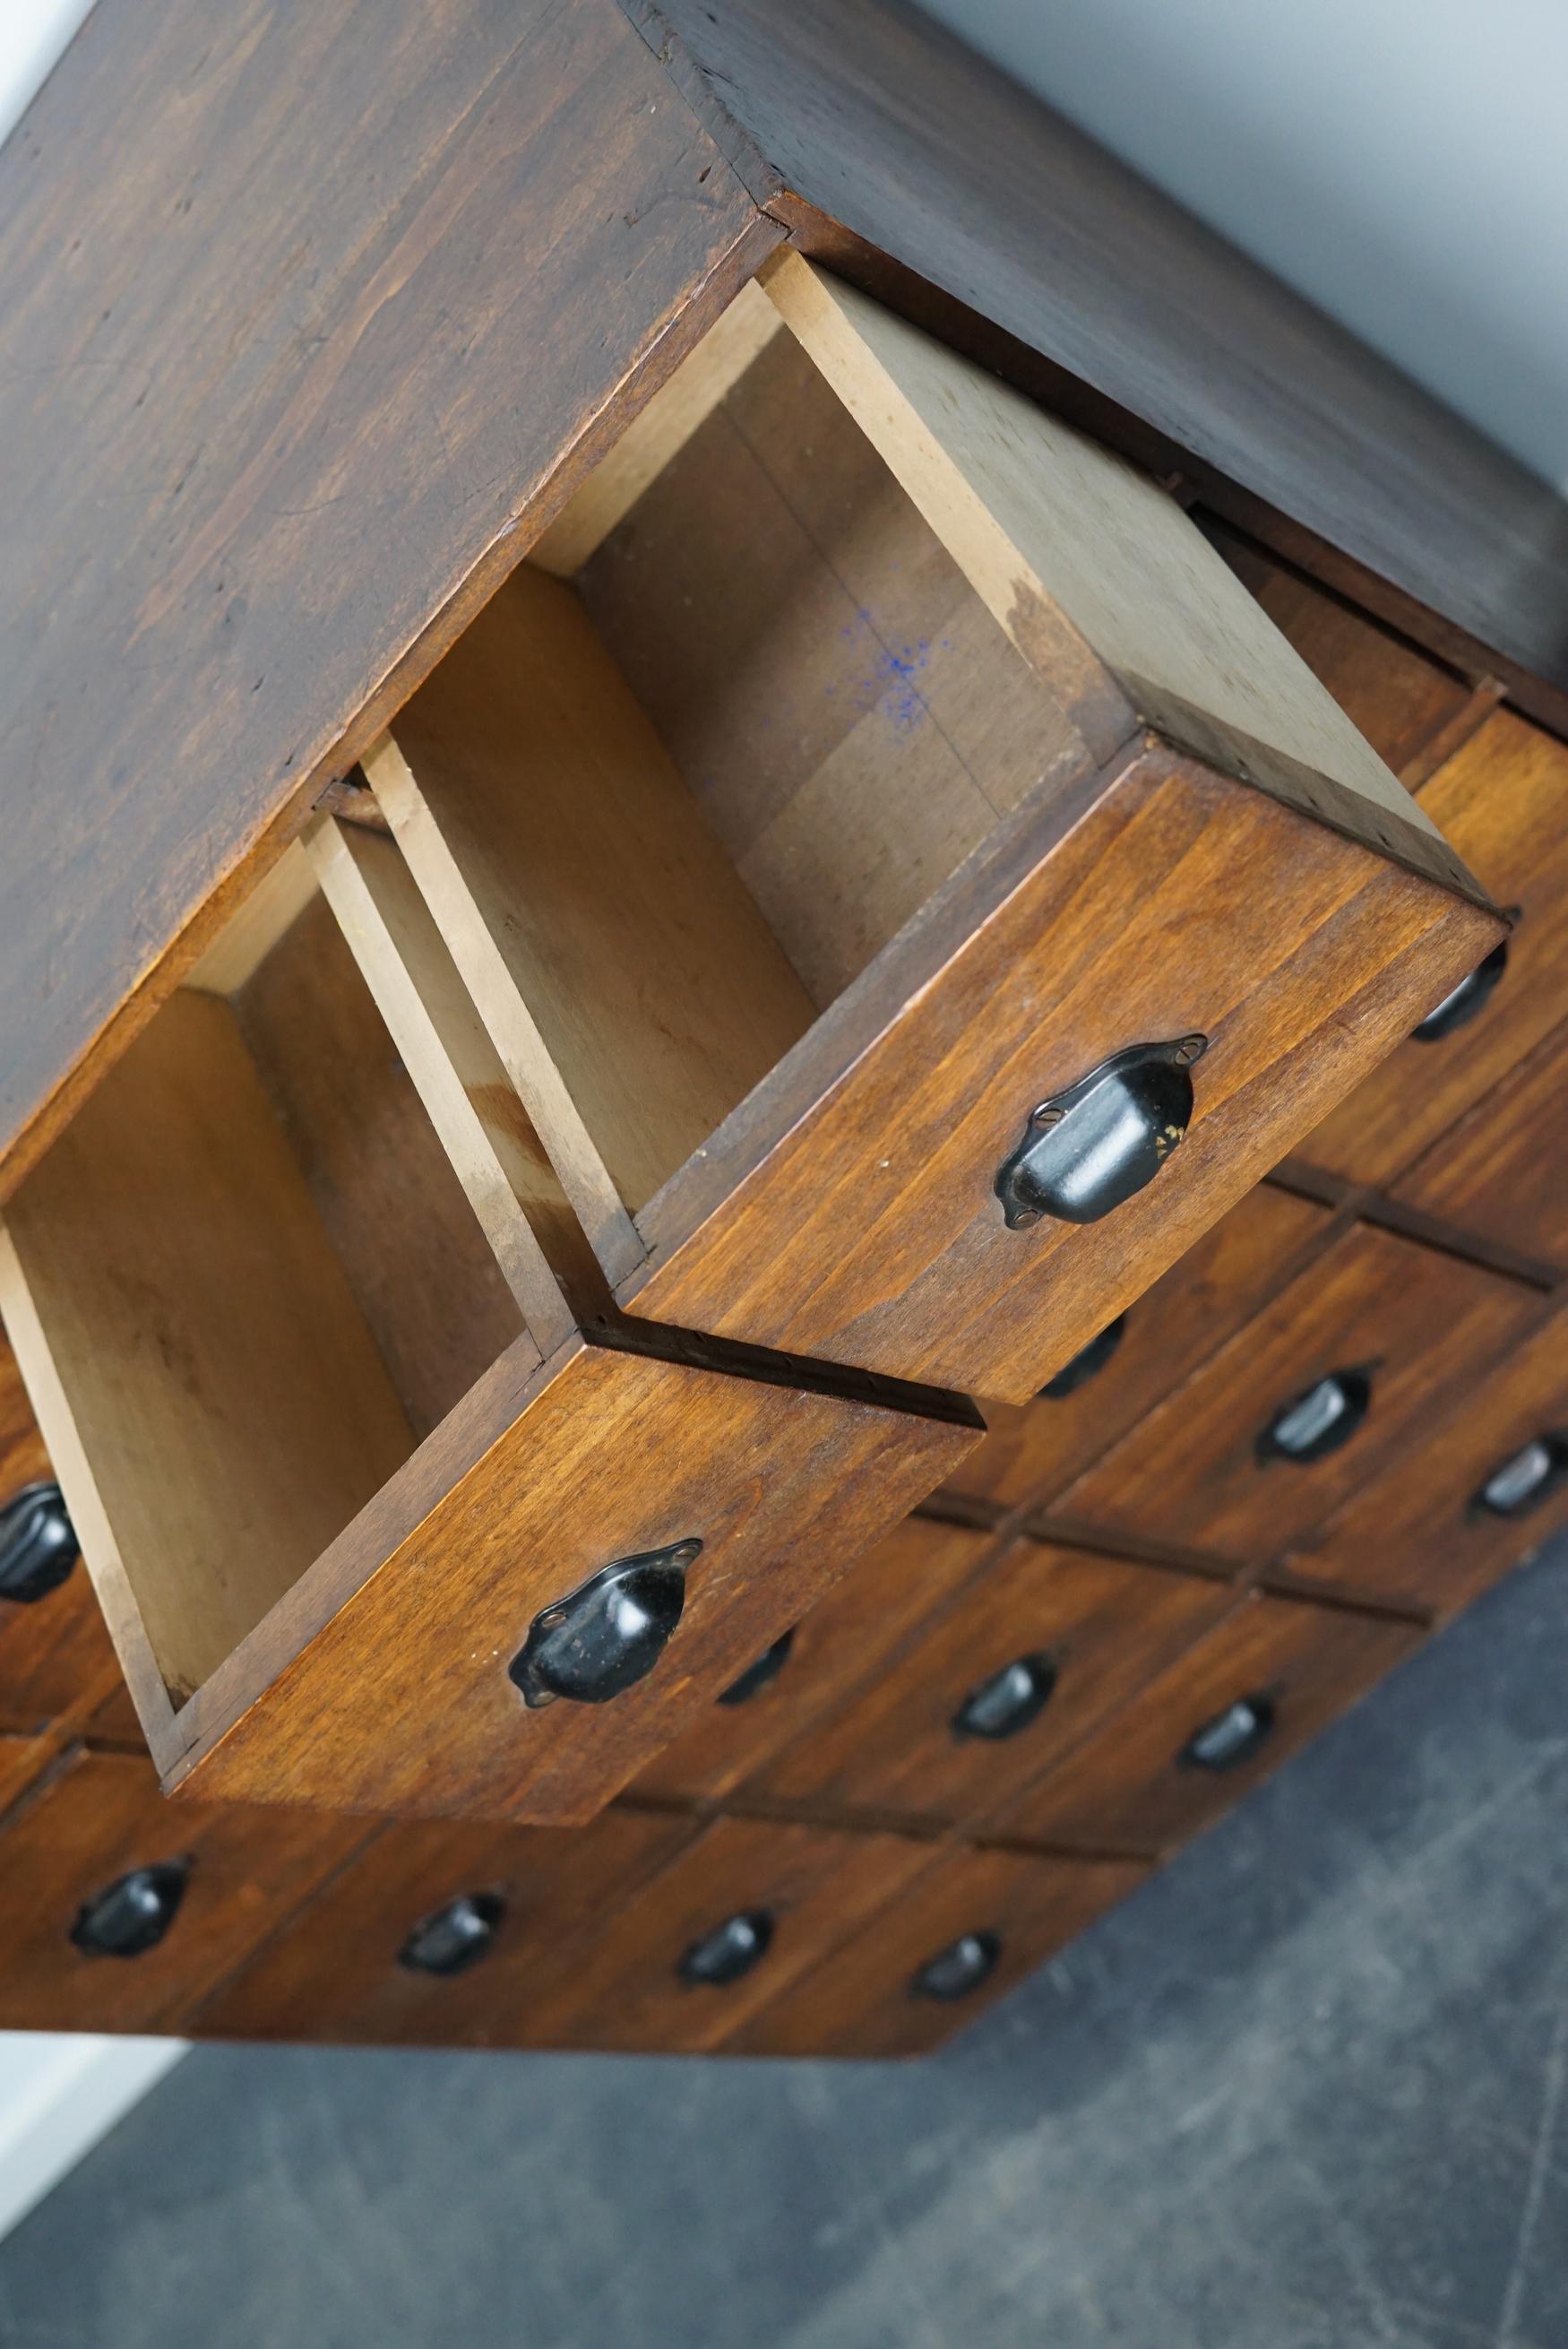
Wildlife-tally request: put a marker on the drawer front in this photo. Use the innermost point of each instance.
(98, 1851)
(21, 1760)
(1480, 1487)
(1219, 1720)
(1500, 1173)
(1027, 1661)
(733, 1921)
(442, 1934)
(54, 1651)
(1304, 1405)
(845, 1639)
(1035, 1449)
(970, 1929)
(1503, 801)
(872, 1231)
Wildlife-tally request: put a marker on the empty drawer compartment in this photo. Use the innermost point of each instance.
(381, 1517)
(896, 836)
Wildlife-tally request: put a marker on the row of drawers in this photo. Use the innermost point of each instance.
(1196, 1434)
(1468, 1125)
(643, 1932)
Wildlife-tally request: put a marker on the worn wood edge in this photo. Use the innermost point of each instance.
(530, 1065)
(412, 1024)
(100, 1551)
(327, 761)
(653, 439)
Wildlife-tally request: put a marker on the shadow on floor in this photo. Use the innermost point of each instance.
(1305, 2091)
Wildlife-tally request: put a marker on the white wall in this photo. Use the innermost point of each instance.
(1403, 163)
(32, 35)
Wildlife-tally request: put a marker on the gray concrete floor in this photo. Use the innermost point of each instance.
(1306, 2091)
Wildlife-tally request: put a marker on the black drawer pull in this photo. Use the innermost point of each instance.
(609, 1634)
(1231, 1737)
(1092, 1147)
(1087, 1362)
(961, 1968)
(730, 1950)
(1459, 1007)
(451, 1939)
(133, 1914)
(767, 1667)
(1010, 1700)
(1521, 1483)
(39, 1546)
(1320, 1418)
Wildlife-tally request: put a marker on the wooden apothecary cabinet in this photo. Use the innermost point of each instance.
(755, 1000)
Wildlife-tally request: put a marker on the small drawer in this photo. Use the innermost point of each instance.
(443, 1933)
(1503, 801)
(122, 1912)
(970, 1929)
(1501, 1172)
(21, 1760)
(1221, 1718)
(748, 1909)
(1028, 1661)
(845, 1639)
(1478, 1488)
(1307, 1403)
(895, 833)
(1035, 1449)
(361, 1479)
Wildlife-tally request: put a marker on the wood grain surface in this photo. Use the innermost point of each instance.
(1415, 1534)
(1127, 1787)
(1104, 1625)
(860, 2001)
(1035, 1449)
(99, 1815)
(848, 1208)
(311, 320)
(1422, 1324)
(380, 1683)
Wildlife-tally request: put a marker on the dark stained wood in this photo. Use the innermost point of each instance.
(100, 1815)
(53, 1653)
(1501, 1169)
(845, 1639)
(860, 2001)
(24, 1459)
(1106, 1626)
(1503, 801)
(848, 1209)
(272, 282)
(1425, 1324)
(381, 1683)
(1415, 1534)
(1128, 1789)
(331, 1972)
(817, 1886)
(21, 1759)
(1035, 1449)
(916, 167)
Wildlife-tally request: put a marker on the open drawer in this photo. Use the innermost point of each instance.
(875, 828)
(362, 1481)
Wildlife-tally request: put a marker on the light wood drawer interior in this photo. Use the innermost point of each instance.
(857, 768)
(306, 1319)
